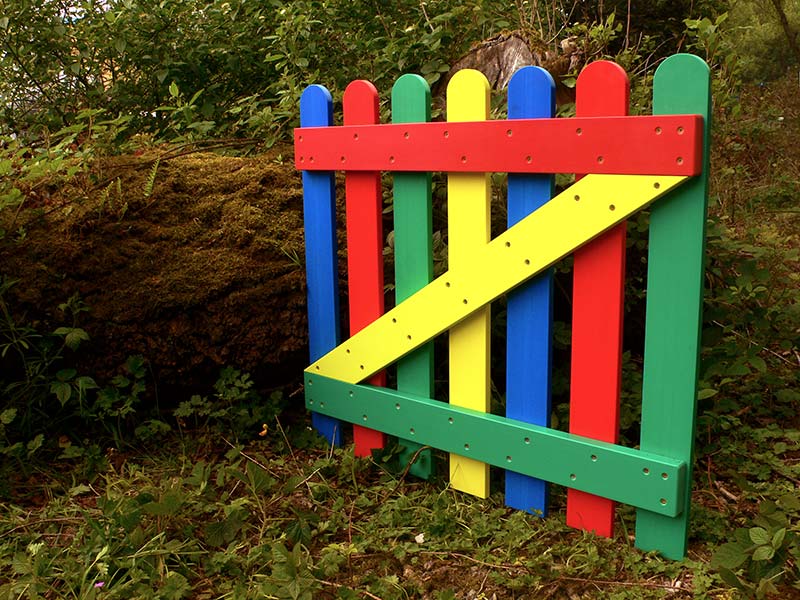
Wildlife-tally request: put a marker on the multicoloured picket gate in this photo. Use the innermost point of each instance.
(624, 164)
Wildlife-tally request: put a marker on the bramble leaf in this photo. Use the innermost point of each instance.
(730, 578)
(759, 535)
(730, 555)
(763, 553)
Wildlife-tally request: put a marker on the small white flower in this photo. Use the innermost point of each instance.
(419, 538)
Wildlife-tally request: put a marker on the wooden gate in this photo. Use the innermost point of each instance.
(624, 164)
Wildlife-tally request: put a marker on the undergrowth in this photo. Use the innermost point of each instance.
(203, 518)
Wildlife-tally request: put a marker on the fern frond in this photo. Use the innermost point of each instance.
(151, 180)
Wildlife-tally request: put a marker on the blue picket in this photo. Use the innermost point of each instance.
(531, 94)
(322, 273)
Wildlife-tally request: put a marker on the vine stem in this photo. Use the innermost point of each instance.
(339, 586)
(752, 343)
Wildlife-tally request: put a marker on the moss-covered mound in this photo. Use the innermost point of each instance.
(193, 260)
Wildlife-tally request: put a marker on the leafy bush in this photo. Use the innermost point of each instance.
(232, 67)
(757, 31)
(31, 378)
(752, 318)
(192, 68)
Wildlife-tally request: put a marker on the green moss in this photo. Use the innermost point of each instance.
(203, 271)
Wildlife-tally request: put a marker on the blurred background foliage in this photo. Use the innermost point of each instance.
(222, 68)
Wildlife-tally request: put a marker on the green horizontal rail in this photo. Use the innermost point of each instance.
(630, 476)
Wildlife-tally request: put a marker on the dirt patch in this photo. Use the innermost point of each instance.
(194, 261)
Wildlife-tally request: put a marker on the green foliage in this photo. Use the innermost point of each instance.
(235, 407)
(253, 522)
(43, 396)
(189, 69)
(710, 39)
(151, 180)
(291, 577)
(28, 170)
(116, 404)
(270, 519)
(752, 316)
(765, 554)
(31, 375)
(186, 69)
(763, 51)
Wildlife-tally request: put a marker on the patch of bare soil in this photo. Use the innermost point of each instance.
(193, 260)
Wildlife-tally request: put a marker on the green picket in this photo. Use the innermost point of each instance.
(674, 305)
(413, 252)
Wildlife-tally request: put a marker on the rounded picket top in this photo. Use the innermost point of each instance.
(468, 96)
(360, 103)
(316, 106)
(603, 88)
(411, 99)
(531, 94)
(685, 64)
(681, 85)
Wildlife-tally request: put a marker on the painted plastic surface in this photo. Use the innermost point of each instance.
(666, 145)
(590, 206)
(413, 254)
(322, 274)
(631, 476)
(674, 304)
(364, 211)
(469, 229)
(529, 314)
(598, 287)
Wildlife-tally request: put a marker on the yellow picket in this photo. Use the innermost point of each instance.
(468, 232)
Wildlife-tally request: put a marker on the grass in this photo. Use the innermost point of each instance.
(282, 516)
(200, 518)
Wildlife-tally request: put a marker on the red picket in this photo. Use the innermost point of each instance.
(363, 209)
(597, 301)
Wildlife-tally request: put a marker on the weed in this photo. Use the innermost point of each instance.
(764, 555)
(235, 406)
(151, 180)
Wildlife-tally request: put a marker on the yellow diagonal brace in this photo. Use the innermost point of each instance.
(577, 215)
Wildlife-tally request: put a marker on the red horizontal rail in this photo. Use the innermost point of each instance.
(642, 145)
